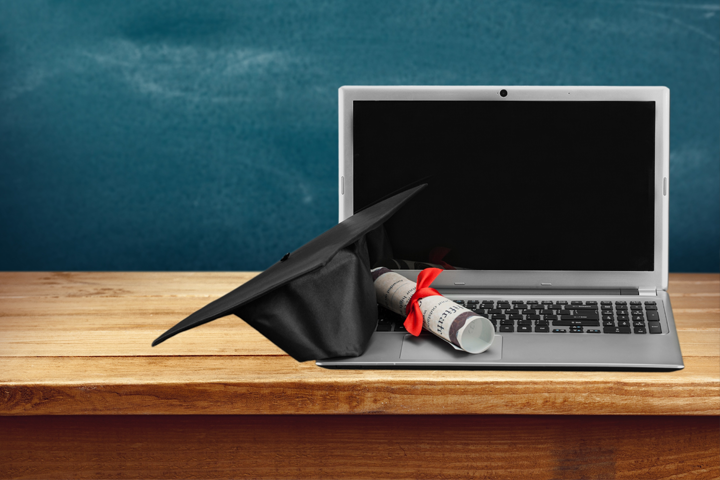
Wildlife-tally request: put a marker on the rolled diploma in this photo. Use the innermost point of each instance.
(460, 327)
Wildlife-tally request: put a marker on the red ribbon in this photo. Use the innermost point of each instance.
(414, 321)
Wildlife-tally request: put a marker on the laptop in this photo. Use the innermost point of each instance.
(547, 208)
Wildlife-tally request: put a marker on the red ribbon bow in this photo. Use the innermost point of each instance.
(414, 321)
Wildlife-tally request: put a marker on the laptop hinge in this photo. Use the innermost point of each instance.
(647, 292)
(538, 291)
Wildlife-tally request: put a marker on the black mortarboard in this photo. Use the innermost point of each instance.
(318, 301)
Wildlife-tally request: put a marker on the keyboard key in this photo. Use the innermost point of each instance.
(499, 317)
(533, 317)
(507, 322)
(547, 312)
(575, 302)
(592, 331)
(616, 330)
(564, 312)
(384, 327)
(400, 328)
(559, 330)
(494, 310)
(583, 307)
(507, 328)
(512, 310)
(591, 303)
(650, 307)
(550, 317)
(607, 312)
(472, 302)
(623, 323)
(605, 302)
(608, 324)
(635, 303)
(524, 322)
(655, 327)
(623, 317)
(564, 322)
(524, 328)
(653, 316)
(639, 330)
(529, 312)
(649, 303)
(460, 302)
(561, 302)
(516, 317)
(541, 322)
(636, 307)
(638, 318)
(589, 316)
(638, 324)
(609, 318)
(620, 303)
(542, 328)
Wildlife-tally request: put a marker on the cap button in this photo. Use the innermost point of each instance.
(285, 257)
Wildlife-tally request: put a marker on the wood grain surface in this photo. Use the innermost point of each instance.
(338, 447)
(79, 343)
(79, 384)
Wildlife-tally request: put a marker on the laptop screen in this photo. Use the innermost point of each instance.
(512, 185)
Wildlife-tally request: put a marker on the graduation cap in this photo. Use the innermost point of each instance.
(318, 301)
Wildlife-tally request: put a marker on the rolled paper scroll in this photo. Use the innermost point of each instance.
(460, 327)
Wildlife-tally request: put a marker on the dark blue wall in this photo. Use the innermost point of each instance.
(185, 135)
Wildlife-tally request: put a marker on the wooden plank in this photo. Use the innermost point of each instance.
(695, 302)
(114, 327)
(216, 284)
(339, 447)
(146, 310)
(697, 319)
(694, 284)
(279, 385)
(107, 326)
(231, 336)
(120, 284)
(85, 349)
(240, 340)
(700, 343)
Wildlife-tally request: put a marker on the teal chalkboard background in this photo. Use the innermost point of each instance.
(185, 135)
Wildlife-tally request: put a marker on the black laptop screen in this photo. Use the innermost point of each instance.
(512, 185)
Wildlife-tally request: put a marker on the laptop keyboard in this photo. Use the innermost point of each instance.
(587, 317)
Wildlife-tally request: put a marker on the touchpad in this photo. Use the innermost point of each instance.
(429, 348)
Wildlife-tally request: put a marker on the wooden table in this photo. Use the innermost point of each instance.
(83, 395)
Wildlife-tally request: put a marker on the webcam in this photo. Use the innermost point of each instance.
(503, 93)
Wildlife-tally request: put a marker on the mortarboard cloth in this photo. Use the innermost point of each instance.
(318, 301)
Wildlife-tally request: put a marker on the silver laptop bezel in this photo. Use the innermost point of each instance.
(551, 280)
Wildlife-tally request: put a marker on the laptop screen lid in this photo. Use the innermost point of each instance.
(529, 187)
